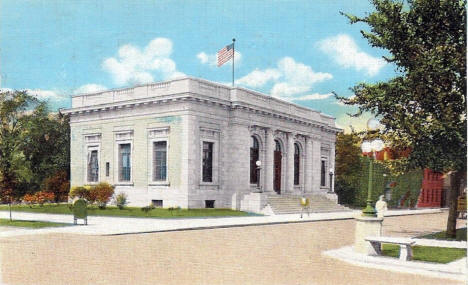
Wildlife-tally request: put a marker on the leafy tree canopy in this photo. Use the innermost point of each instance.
(424, 106)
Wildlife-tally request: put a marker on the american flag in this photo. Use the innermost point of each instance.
(225, 54)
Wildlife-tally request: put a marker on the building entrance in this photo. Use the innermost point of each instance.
(277, 168)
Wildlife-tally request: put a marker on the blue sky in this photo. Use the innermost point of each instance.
(299, 51)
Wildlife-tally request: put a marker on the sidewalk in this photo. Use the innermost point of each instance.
(455, 270)
(100, 225)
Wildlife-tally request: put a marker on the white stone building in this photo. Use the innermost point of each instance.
(193, 143)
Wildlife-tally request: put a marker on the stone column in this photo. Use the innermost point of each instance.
(268, 164)
(308, 175)
(316, 163)
(290, 164)
(332, 166)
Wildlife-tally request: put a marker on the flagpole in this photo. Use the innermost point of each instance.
(233, 53)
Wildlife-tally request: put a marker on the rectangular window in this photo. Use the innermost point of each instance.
(207, 162)
(157, 203)
(124, 162)
(107, 169)
(159, 161)
(93, 166)
(323, 173)
(209, 204)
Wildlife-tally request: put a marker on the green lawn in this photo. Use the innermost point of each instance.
(128, 211)
(427, 253)
(461, 235)
(30, 224)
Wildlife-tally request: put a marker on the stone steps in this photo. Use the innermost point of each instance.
(291, 204)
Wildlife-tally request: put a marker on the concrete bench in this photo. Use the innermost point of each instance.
(406, 252)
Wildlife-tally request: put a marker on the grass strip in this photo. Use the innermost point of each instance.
(128, 211)
(427, 253)
(30, 224)
(460, 235)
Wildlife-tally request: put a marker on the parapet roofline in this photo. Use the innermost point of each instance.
(204, 81)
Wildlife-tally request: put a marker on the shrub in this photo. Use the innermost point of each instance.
(59, 185)
(44, 197)
(172, 209)
(147, 208)
(29, 199)
(79, 192)
(121, 200)
(102, 193)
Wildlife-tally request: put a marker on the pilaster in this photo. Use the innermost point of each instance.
(308, 175)
(316, 164)
(269, 147)
(290, 164)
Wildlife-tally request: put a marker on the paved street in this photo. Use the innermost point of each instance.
(268, 254)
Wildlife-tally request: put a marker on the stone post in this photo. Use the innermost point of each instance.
(366, 227)
(268, 165)
(290, 163)
(308, 175)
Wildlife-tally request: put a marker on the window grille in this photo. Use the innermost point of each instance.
(159, 161)
(207, 162)
(124, 162)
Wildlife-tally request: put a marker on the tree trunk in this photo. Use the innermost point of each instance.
(452, 217)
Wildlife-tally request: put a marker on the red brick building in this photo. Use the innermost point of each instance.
(432, 191)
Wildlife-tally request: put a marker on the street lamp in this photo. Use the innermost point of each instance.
(331, 180)
(371, 147)
(258, 163)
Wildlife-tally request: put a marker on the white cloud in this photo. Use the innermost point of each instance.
(2, 90)
(258, 78)
(40, 93)
(344, 51)
(89, 88)
(289, 78)
(349, 123)
(315, 96)
(137, 66)
(45, 94)
(212, 59)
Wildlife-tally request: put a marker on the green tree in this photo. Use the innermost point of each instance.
(46, 146)
(425, 104)
(348, 167)
(14, 108)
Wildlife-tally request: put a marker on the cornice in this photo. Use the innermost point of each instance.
(198, 98)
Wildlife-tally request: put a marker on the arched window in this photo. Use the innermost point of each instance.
(254, 156)
(296, 163)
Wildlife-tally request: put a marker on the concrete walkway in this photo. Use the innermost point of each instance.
(455, 270)
(99, 225)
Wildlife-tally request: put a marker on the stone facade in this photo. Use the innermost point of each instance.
(184, 113)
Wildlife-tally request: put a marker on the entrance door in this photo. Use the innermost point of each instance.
(277, 168)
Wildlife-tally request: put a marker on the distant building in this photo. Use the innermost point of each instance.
(193, 143)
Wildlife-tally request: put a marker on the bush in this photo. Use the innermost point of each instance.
(44, 197)
(59, 185)
(147, 208)
(29, 199)
(102, 193)
(121, 200)
(79, 192)
(40, 198)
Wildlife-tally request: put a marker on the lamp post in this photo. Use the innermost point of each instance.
(371, 147)
(258, 163)
(331, 180)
